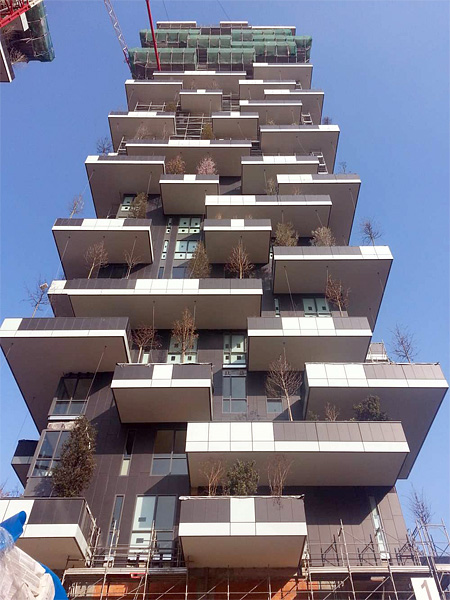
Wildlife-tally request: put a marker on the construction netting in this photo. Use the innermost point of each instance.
(35, 43)
(209, 41)
(167, 36)
(143, 60)
(231, 56)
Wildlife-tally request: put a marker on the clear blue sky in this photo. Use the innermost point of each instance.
(384, 67)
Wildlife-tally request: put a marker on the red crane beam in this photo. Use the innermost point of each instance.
(11, 10)
(153, 34)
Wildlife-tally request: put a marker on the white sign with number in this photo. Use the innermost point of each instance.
(425, 588)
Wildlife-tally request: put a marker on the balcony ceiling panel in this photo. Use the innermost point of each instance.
(145, 92)
(186, 196)
(279, 112)
(192, 80)
(157, 124)
(257, 171)
(220, 239)
(298, 72)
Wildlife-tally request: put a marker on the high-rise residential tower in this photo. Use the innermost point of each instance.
(215, 327)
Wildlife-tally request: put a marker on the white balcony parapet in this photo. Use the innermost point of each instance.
(321, 453)
(306, 339)
(410, 393)
(250, 531)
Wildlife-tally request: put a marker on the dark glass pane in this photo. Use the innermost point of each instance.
(129, 444)
(226, 406)
(63, 437)
(48, 444)
(82, 388)
(161, 466)
(61, 407)
(178, 272)
(165, 512)
(41, 468)
(115, 520)
(161, 272)
(239, 406)
(238, 387)
(66, 387)
(274, 406)
(226, 387)
(179, 466)
(77, 408)
(163, 441)
(164, 540)
(180, 442)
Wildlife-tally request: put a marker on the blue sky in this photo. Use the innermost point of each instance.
(384, 67)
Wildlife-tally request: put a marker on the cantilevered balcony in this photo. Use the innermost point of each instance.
(216, 303)
(201, 102)
(299, 72)
(222, 235)
(58, 531)
(152, 123)
(343, 189)
(301, 139)
(235, 125)
(21, 461)
(259, 172)
(410, 393)
(163, 393)
(148, 93)
(254, 89)
(185, 194)
(225, 153)
(73, 237)
(312, 101)
(304, 212)
(307, 339)
(112, 176)
(321, 453)
(362, 269)
(40, 351)
(239, 532)
(228, 82)
(280, 112)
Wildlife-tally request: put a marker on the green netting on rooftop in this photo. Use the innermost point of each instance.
(230, 56)
(209, 41)
(248, 35)
(144, 59)
(41, 41)
(167, 36)
(275, 49)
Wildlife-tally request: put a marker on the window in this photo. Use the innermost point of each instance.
(189, 225)
(234, 349)
(379, 532)
(178, 272)
(234, 392)
(174, 355)
(114, 527)
(128, 450)
(277, 307)
(72, 395)
(113, 271)
(184, 249)
(169, 456)
(127, 202)
(165, 248)
(161, 273)
(316, 307)
(169, 225)
(49, 452)
(154, 513)
(274, 406)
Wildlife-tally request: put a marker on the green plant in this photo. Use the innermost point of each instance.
(369, 409)
(76, 466)
(242, 479)
(207, 132)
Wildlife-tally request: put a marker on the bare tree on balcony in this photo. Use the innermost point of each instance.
(207, 166)
(283, 382)
(239, 262)
(343, 167)
(198, 266)
(327, 121)
(214, 471)
(104, 145)
(132, 261)
(76, 205)
(146, 338)
(185, 333)
(143, 132)
(331, 412)
(277, 472)
(37, 296)
(12, 493)
(285, 235)
(419, 506)
(370, 231)
(96, 257)
(337, 294)
(271, 187)
(171, 106)
(403, 344)
(138, 208)
(74, 470)
(176, 166)
(322, 236)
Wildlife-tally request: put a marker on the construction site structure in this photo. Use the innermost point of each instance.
(249, 433)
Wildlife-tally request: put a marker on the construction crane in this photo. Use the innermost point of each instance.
(11, 9)
(119, 34)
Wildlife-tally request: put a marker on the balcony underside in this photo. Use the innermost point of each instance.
(296, 71)
(277, 111)
(222, 236)
(312, 101)
(342, 189)
(157, 124)
(216, 304)
(307, 339)
(409, 393)
(253, 89)
(221, 80)
(304, 212)
(40, 351)
(259, 172)
(146, 92)
(329, 453)
(201, 102)
(185, 194)
(162, 393)
(119, 236)
(234, 125)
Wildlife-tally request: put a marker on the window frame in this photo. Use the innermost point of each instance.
(228, 399)
(56, 453)
(169, 456)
